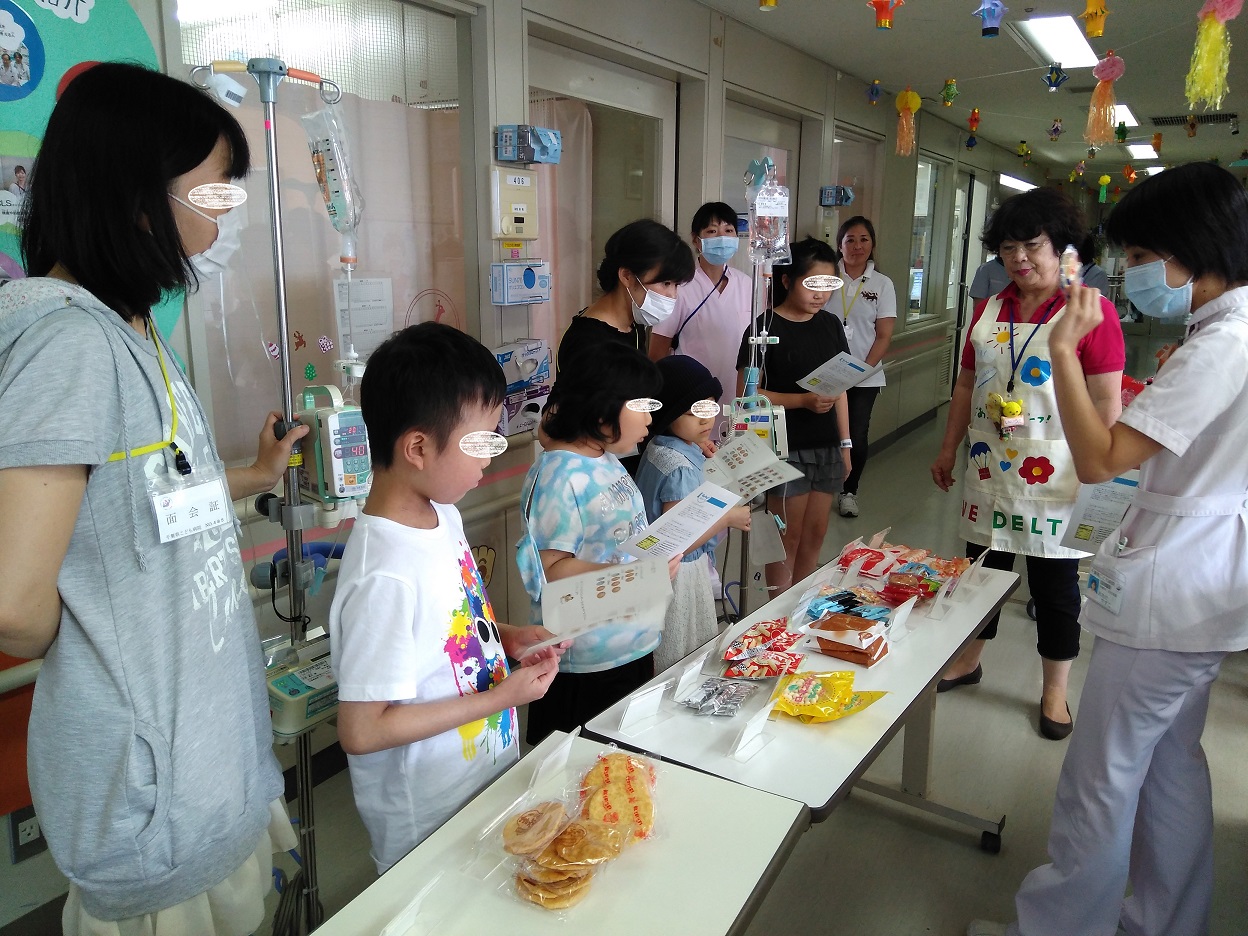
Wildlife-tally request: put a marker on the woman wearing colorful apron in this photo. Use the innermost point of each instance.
(1168, 591)
(1020, 481)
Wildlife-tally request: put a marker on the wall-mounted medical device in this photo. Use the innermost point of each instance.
(835, 196)
(514, 197)
(522, 143)
(337, 465)
(523, 282)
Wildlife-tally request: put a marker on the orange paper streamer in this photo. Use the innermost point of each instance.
(907, 103)
(1100, 128)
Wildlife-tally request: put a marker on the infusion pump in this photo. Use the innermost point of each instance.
(337, 465)
(759, 415)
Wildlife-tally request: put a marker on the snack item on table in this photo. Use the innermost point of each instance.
(866, 656)
(528, 832)
(821, 697)
(876, 563)
(615, 767)
(627, 804)
(719, 696)
(948, 568)
(850, 638)
(766, 664)
(901, 586)
(539, 874)
(761, 636)
(553, 896)
(585, 842)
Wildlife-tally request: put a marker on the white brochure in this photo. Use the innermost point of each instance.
(1099, 509)
(633, 595)
(747, 466)
(683, 525)
(834, 377)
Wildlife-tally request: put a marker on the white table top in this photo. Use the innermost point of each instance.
(701, 873)
(815, 764)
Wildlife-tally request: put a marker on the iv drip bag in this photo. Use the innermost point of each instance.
(327, 142)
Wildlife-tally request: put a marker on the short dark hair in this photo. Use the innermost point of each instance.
(591, 390)
(640, 247)
(806, 253)
(143, 130)
(1196, 213)
(716, 211)
(424, 377)
(854, 222)
(19, 168)
(1030, 214)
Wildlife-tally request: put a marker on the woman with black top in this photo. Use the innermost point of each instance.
(818, 426)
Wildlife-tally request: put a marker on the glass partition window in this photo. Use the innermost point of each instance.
(921, 238)
(856, 165)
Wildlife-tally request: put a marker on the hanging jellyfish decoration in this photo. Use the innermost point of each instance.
(1056, 130)
(1157, 143)
(884, 12)
(1211, 57)
(949, 92)
(1054, 78)
(1100, 129)
(1191, 125)
(990, 13)
(1128, 173)
(1120, 134)
(972, 123)
(873, 92)
(1103, 182)
(908, 104)
(1093, 18)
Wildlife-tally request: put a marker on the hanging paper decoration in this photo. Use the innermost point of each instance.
(1116, 194)
(1092, 152)
(1022, 150)
(1211, 58)
(1120, 134)
(1081, 167)
(950, 92)
(1103, 182)
(908, 104)
(1100, 129)
(971, 142)
(1157, 143)
(884, 12)
(972, 123)
(874, 91)
(1191, 125)
(1094, 20)
(1128, 173)
(1056, 129)
(1055, 77)
(990, 13)
(1072, 175)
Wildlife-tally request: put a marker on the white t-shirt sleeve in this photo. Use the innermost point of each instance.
(887, 306)
(376, 658)
(1196, 387)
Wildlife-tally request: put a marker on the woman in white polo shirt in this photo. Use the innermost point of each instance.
(867, 307)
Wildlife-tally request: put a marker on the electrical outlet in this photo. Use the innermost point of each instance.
(25, 836)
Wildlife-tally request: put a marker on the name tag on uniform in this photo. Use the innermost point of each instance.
(186, 509)
(1105, 588)
(849, 332)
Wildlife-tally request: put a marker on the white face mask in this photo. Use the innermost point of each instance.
(654, 309)
(216, 258)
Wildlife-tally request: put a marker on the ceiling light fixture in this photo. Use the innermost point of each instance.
(1153, 170)
(1013, 182)
(1141, 151)
(1122, 114)
(766, 6)
(1050, 39)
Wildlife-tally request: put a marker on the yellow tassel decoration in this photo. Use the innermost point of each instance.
(1211, 57)
(907, 103)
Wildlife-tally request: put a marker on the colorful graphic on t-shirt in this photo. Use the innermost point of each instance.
(475, 650)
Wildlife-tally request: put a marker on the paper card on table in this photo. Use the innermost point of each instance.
(405, 919)
(635, 594)
(689, 675)
(1099, 509)
(940, 604)
(973, 576)
(751, 739)
(897, 629)
(747, 466)
(834, 377)
(642, 705)
(877, 540)
(679, 528)
(553, 763)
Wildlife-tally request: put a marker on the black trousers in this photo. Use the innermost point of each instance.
(575, 698)
(1054, 587)
(860, 400)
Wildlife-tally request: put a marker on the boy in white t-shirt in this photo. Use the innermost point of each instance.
(426, 704)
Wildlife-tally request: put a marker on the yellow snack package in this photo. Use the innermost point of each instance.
(814, 698)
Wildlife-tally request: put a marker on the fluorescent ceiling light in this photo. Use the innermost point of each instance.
(1057, 39)
(1141, 151)
(1012, 182)
(1122, 114)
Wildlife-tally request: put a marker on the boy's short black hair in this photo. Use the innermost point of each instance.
(424, 377)
(586, 399)
(642, 246)
(805, 254)
(1196, 213)
(1029, 214)
(716, 211)
(141, 130)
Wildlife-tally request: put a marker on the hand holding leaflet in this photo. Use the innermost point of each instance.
(683, 525)
(747, 466)
(1099, 509)
(834, 377)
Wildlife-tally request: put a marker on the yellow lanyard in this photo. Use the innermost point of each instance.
(845, 308)
(180, 461)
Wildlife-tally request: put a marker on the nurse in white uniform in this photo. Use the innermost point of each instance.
(1168, 591)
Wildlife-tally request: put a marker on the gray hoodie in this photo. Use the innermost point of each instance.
(150, 747)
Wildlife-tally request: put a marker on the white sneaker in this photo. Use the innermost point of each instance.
(847, 505)
(985, 928)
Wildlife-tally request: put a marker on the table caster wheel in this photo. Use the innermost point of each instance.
(990, 842)
(1031, 608)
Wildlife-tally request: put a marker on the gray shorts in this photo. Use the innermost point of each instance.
(822, 472)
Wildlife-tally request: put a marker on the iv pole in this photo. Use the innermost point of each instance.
(293, 515)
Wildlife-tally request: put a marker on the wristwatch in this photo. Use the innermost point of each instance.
(847, 443)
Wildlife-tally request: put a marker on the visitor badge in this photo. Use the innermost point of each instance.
(190, 504)
(1105, 588)
(849, 332)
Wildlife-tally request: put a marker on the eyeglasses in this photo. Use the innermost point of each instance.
(1031, 248)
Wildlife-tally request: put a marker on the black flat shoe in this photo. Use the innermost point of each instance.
(1056, 730)
(970, 679)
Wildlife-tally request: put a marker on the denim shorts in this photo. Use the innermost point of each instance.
(822, 472)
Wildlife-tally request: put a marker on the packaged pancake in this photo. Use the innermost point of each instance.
(813, 698)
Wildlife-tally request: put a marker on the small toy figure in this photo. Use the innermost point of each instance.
(1056, 129)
